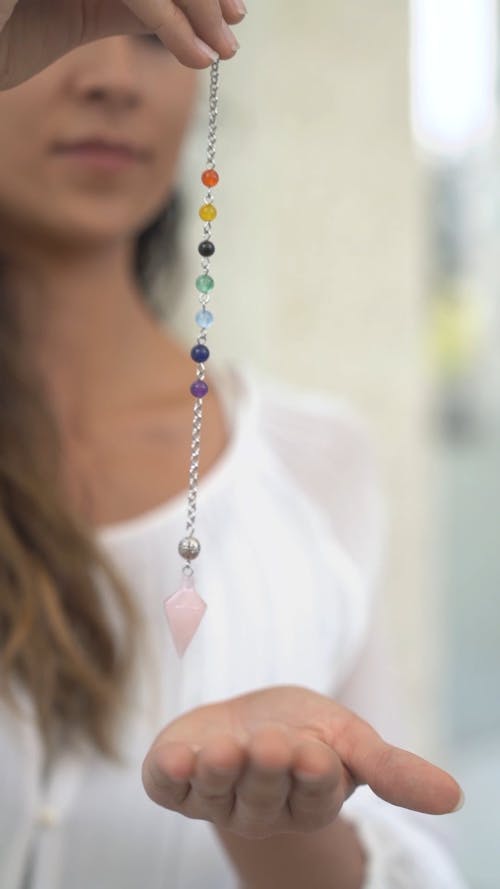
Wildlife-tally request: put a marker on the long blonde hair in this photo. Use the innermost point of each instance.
(56, 638)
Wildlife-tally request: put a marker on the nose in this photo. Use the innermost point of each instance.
(108, 74)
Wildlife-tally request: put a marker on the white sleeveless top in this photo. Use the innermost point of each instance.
(290, 524)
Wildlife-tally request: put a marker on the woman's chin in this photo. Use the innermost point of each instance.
(93, 231)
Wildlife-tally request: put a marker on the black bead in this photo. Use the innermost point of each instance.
(206, 248)
(199, 353)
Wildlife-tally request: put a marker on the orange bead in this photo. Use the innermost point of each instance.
(209, 178)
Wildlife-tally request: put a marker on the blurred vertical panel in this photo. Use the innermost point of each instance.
(453, 58)
(455, 118)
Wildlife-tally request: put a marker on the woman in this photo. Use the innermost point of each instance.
(93, 462)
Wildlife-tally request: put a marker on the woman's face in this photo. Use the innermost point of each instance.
(127, 90)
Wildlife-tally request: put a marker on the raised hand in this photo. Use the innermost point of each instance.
(34, 33)
(283, 760)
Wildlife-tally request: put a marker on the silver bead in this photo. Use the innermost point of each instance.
(189, 548)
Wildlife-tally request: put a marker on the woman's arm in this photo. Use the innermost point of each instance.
(332, 858)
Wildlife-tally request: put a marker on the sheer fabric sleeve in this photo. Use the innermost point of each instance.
(326, 446)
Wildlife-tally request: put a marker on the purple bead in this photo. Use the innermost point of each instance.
(199, 389)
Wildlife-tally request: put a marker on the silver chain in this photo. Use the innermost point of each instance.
(204, 300)
(212, 118)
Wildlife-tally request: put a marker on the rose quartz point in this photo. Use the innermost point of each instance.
(184, 611)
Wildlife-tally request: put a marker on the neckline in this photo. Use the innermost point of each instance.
(239, 407)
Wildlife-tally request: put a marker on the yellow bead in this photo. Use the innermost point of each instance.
(208, 212)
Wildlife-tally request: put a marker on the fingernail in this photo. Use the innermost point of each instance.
(240, 7)
(207, 49)
(461, 802)
(228, 34)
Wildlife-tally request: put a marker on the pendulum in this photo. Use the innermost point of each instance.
(184, 609)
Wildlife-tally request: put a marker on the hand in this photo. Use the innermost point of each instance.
(34, 34)
(292, 757)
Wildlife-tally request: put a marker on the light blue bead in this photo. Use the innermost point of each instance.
(204, 318)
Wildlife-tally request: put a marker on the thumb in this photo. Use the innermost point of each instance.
(396, 775)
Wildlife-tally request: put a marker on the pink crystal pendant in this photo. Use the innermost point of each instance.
(184, 611)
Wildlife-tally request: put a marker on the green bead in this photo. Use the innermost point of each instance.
(204, 283)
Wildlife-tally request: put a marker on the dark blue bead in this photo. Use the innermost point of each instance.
(200, 353)
(206, 248)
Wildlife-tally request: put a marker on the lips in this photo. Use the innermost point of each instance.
(104, 147)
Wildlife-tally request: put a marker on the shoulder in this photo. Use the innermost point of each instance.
(326, 444)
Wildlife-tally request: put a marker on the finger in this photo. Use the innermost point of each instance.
(318, 792)
(397, 776)
(166, 773)
(263, 790)
(232, 11)
(218, 768)
(180, 27)
(209, 20)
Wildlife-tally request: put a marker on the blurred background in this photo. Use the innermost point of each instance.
(359, 224)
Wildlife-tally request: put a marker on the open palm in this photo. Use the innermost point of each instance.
(290, 757)
(32, 35)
